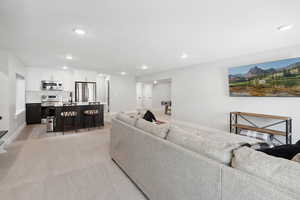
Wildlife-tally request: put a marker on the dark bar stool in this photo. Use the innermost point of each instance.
(91, 114)
(69, 113)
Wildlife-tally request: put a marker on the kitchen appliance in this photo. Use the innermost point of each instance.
(50, 123)
(85, 91)
(52, 85)
(51, 98)
(48, 106)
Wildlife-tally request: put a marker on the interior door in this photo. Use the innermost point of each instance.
(139, 95)
(147, 96)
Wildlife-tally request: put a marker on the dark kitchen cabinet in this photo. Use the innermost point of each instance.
(82, 121)
(33, 113)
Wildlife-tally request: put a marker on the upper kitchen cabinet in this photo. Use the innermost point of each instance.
(67, 77)
(34, 78)
(36, 75)
(85, 76)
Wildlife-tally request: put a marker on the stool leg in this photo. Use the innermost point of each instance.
(94, 120)
(63, 125)
(74, 124)
(89, 122)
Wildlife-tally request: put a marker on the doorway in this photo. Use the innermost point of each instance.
(154, 95)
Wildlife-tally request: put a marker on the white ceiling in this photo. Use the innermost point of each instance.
(122, 35)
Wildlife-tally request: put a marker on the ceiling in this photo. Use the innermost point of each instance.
(124, 35)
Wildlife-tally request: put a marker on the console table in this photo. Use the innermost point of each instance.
(235, 126)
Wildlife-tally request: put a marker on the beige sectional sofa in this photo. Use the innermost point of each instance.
(175, 163)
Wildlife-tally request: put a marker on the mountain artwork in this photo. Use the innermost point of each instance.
(271, 79)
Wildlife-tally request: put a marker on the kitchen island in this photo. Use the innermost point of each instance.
(81, 120)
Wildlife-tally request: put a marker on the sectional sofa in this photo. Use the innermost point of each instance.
(168, 162)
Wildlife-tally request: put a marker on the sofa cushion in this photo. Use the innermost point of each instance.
(233, 138)
(195, 128)
(296, 158)
(278, 171)
(158, 130)
(213, 133)
(179, 136)
(215, 146)
(126, 118)
(183, 128)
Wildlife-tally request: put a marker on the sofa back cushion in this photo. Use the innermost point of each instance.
(279, 171)
(195, 128)
(187, 129)
(213, 133)
(157, 130)
(127, 119)
(180, 136)
(218, 147)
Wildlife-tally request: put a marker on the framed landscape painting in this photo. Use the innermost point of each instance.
(271, 79)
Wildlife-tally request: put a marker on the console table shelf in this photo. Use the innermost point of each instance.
(261, 115)
(262, 130)
(2, 133)
(235, 126)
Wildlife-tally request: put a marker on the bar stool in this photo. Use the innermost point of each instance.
(69, 112)
(91, 114)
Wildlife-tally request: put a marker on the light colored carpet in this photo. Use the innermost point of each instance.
(70, 167)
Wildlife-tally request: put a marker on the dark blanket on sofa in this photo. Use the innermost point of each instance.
(149, 116)
(287, 151)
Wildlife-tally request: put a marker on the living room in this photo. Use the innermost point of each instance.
(149, 100)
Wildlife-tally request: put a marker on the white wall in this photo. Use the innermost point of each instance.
(161, 92)
(4, 61)
(10, 66)
(122, 93)
(4, 123)
(200, 94)
(102, 88)
(15, 66)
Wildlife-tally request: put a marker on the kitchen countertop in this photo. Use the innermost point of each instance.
(60, 104)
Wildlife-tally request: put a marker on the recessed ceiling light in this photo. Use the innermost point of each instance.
(123, 73)
(184, 55)
(79, 31)
(69, 57)
(155, 82)
(144, 67)
(285, 27)
(65, 67)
